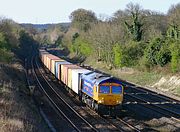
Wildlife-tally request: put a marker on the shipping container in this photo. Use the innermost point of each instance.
(46, 59)
(69, 83)
(53, 64)
(74, 80)
(64, 71)
(41, 51)
(41, 55)
(49, 58)
(58, 68)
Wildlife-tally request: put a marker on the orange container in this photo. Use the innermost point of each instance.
(58, 68)
(42, 54)
(45, 58)
(49, 58)
(64, 71)
(48, 61)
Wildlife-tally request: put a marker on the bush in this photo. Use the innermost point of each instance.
(175, 60)
(118, 56)
(158, 53)
(5, 56)
(163, 56)
(152, 50)
(81, 47)
(3, 42)
(132, 52)
(144, 64)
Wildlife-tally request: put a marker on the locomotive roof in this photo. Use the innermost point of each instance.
(98, 78)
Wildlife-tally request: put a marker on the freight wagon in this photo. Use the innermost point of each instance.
(99, 91)
(74, 80)
(58, 68)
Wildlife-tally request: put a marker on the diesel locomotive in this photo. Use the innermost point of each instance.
(99, 91)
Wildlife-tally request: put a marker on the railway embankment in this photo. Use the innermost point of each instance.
(17, 109)
(164, 83)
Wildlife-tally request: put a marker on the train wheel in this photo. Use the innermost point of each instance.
(93, 104)
(96, 106)
(83, 98)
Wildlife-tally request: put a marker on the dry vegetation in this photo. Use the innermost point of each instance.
(17, 110)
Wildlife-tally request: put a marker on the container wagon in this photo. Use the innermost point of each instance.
(99, 91)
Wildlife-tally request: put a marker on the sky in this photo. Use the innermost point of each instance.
(56, 11)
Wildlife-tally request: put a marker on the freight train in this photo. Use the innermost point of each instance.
(101, 92)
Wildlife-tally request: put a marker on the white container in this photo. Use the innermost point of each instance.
(76, 79)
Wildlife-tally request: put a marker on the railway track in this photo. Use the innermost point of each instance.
(137, 89)
(114, 124)
(71, 116)
(170, 106)
(120, 123)
(163, 111)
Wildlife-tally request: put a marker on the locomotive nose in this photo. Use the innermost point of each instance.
(110, 100)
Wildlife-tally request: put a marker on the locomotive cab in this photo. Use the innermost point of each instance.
(100, 91)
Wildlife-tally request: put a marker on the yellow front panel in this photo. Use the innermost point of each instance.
(108, 99)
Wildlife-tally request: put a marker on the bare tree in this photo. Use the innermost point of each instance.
(103, 36)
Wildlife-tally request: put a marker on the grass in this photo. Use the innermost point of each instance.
(142, 78)
(129, 74)
(135, 76)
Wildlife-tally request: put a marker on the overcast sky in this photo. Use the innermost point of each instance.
(55, 11)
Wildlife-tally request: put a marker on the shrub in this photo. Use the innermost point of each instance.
(175, 60)
(81, 47)
(132, 52)
(158, 53)
(163, 56)
(152, 50)
(118, 56)
(5, 56)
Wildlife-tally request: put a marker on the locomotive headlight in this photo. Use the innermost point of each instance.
(101, 100)
(117, 101)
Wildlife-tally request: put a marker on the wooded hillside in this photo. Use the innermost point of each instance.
(134, 37)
